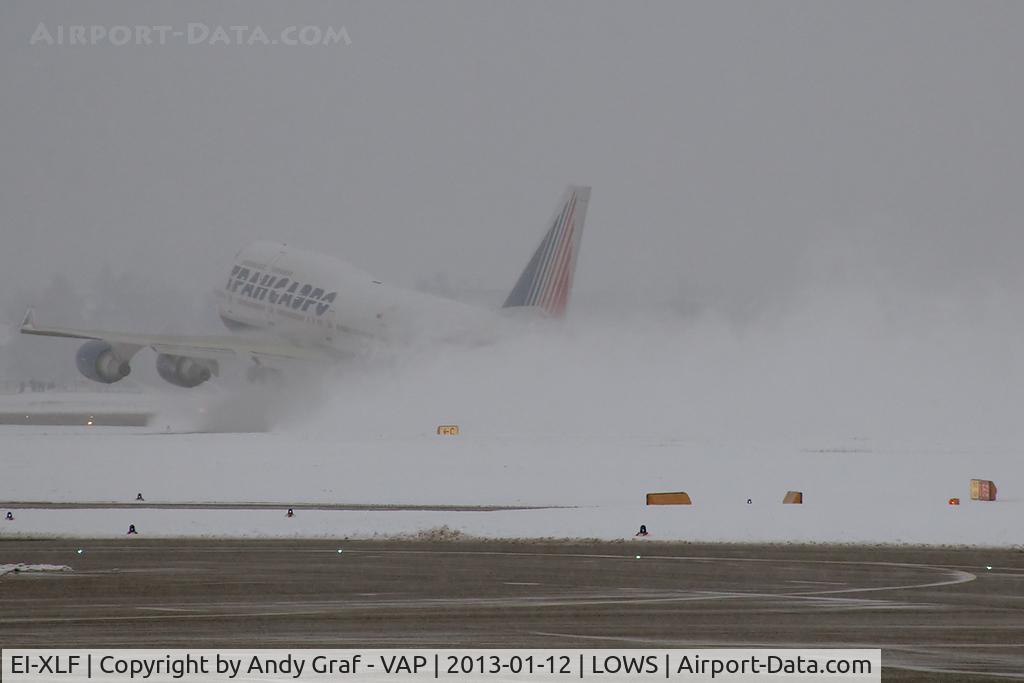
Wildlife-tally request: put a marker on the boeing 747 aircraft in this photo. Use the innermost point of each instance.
(283, 303)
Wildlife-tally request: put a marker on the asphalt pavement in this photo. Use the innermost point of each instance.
(938, 614)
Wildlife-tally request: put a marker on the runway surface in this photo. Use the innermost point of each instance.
(382, 507)
(31, 417)
(938, 614)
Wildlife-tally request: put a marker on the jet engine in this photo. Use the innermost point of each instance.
(97, 361)
(182, 371)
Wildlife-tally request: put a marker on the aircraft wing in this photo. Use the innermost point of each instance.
(212, 347)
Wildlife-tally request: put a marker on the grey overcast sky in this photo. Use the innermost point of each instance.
(740, 152)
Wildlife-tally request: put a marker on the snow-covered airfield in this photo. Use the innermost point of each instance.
(879, 425)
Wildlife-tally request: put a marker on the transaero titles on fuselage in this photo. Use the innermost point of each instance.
(280, 291)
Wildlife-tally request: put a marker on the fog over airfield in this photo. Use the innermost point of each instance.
(825, 181)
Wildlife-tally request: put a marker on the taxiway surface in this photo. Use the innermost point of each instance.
(938, 614)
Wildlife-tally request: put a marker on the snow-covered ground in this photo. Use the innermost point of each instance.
(878, 423)
(855, 490)
(9, 568)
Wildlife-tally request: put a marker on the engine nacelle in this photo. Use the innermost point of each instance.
(97, 361)
(182, 371)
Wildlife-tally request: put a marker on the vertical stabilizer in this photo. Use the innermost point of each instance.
(547, 280)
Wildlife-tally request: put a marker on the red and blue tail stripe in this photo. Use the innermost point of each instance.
(547, 280)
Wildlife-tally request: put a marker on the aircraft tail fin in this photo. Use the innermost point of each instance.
(546, 282)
